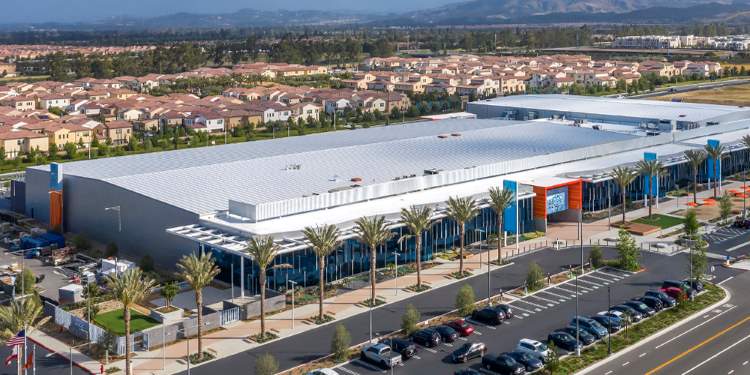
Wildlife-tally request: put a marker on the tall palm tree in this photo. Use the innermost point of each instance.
(20, 314)
(500, 199)
(623, 177)
(372, 231)
(650, 169)
(129, 288)
(198, 271)
(324, 241)
(715, 152)
(461, 210)
(263, 250)
(417, 220)
(696, 159)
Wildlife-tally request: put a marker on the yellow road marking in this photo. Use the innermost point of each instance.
(697, 346)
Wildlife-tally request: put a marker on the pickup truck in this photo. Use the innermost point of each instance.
(380, 354)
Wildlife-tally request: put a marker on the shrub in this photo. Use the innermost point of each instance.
(628, 251)
(410, 319)
(596, 258)
(340, 343)
(266, 365)
(27, 279)
(465, 300)
(535, 277)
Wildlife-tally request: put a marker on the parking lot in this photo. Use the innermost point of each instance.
(555, 304)
(729, 241)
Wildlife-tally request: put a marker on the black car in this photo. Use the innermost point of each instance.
(634, 315)
(503, 364)
(651, 302)
(663, 297)
(467, 371)
(447, 334)
(468, 351)
(611, 323)
(488, 316)
(592, 326)
(583, 335)
(529, 361)
(428, 337)
(506, 309)
(697, 285)
(563, 341)
(640, 307)
(404, 347)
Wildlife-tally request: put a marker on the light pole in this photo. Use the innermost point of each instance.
(481, 248)
(119, 217)
(580, 234)
(294, 285)
(70, 354)
(395, 273)
(609, 320)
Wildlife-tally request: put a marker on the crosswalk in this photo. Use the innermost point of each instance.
(723, 234)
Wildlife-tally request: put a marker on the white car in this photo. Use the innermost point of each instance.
(616, 314)
(533, 347)
(323, 371)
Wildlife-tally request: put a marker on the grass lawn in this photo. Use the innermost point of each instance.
(729, 95)
(113, 321)
(661, 221)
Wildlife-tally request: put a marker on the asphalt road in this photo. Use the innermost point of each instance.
(690, 87)
(47, 363)
(313, 344)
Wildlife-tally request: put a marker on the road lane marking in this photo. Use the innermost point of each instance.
(641, 355)
(608, 372)
(733, 248)
(693, 328)
(626, 363)
(717, 354)
(725, 280)
(416, 356)
(730, 372)
(744, 363)
(698, 346)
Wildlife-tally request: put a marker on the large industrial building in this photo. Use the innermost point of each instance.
(553, 151)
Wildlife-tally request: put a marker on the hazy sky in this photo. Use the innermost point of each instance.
(81, 10)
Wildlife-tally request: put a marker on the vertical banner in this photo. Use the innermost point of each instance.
(56, 197)
(648, 156)
(714, 175)
(511, 212)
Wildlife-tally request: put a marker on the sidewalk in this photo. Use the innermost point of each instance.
(54, 345)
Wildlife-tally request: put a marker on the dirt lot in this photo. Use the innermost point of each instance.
(730, 95)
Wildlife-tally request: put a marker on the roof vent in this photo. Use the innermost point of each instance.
(456, 134)
(356, 179)
(682, 115)
(442, 136)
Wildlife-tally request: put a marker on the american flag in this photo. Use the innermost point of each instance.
(18, 339)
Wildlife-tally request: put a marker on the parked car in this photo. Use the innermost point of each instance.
(611, 323)
(503, 364)
(687, 289)
(428, 337)
(640, 307)
(506, 309)
(624, 318)
(583, 335)
(322, 371)
(563, 341)
(533, 347)
(467, 371)
(590, 325)
(488, 316)
(697, 285)
(530, 362)
(462, 327)
(674, 292)
(663, 297)
(380, 354)
(468, 351)
(651, 302)
(406, 348)
(634, 315)
(447, 334)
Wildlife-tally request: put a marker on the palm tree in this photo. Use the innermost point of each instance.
(20, 314)
(623, 177)
(372, 231)
(650, 169)
(129, 288)
(324, 241)
(417, 220)
(263, 250)
(461, 210)
(198, 271)
(500, 199)
(696, 159)
(715, 152)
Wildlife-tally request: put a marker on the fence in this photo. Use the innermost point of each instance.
(229, 316)
(83, 329)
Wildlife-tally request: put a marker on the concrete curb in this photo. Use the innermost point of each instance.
(727, 297)
(65, 357)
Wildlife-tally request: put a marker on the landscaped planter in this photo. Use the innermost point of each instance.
(166, 316)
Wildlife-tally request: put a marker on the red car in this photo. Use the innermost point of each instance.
(674, 292)
(464, 329)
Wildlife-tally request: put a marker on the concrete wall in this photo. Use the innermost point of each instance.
(144, 220)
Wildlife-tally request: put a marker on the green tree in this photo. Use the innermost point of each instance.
(20, 314)
(198, 271)
(596, 258)
(340, 343)
(70, 150)
(698, 258)
(650, 169)
(417, 221)
(373, 232)
(90, 292)
(461, 210)
(695, 159)
(25, 282)
(263, 250)
(623, 177)
(410, 319)
(129, 288)
(465, 300)
(266, 364)
(500, 199)
(628, 251)
(324, 240)
(715, 153)
(725, 206)
(691, 224)
(534, 277)
(169, 291)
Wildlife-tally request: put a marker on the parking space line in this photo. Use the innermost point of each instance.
(603, 280)
(532, 304)
(522, 309)
(572, 292)
(433, 351)
(346, 370)
(589, 282)
(367, 365)
(560, 297)
(544, 299)
(616, 277)
(583, 287)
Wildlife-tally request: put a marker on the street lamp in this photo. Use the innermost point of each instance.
(481, 248)
(580, 234)
(609, 320)
(294, 285)
(395, 273)
(119, 216)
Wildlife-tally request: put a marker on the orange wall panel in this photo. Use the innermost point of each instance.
(575, 195)
(540, 202)
(55, 209)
